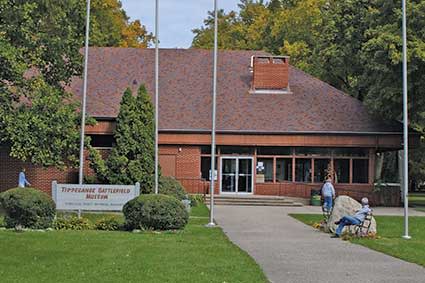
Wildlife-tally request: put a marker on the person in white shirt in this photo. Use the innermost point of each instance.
(355, 219)
(328, 194)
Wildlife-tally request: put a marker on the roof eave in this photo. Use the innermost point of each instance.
(248, 132)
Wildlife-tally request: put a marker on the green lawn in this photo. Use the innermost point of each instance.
(417, 199)
(390, 230)
(196, 254)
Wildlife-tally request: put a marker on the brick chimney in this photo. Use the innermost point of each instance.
(270, 73)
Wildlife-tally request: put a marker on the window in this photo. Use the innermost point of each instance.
(342, 170)
(313, 151)
(236, 150)
(303, 170)
(206, 167)
(273, 150)
(102, 140)
(283, 169)
(360, 171)
(321, 167)
(265, 167)
(206, 149)
(358, 152)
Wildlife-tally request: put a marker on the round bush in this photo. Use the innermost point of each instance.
(171, 187)
(157, 212)
(27, 207)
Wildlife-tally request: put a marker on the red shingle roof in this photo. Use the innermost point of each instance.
(186, 94)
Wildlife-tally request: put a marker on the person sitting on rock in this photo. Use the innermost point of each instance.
(355, 219)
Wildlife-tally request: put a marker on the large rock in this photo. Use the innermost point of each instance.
(344, 205)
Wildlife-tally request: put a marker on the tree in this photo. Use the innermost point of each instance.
(338, 48)
(296, 29)
(46, 125)
(110, 26)
(228, 39)
(244, 31)
(281, 27)
(382, 57)
(39, 54)
(132, 157)
(40, 42)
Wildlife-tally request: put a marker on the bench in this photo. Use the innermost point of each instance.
(362, 229)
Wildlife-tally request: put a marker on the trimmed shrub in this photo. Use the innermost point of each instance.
(171, 187)
(72, 223)
(108, 223)
(28, 208)
(157, 212)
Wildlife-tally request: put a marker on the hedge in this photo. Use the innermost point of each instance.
(157, 212)
(28, 208)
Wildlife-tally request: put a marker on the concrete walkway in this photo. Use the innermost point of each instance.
(290, 251)
(392, 211)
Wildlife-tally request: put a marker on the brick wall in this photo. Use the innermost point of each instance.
(187, 158)
(188, 170)
(38, 176)
(269, 74)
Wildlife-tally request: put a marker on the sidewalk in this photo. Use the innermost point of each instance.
(290, 251)
(392, 211)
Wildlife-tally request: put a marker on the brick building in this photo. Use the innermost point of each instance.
(279, 130)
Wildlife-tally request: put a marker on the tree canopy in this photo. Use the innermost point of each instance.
(40, 43)
(39, 53)
(111, 27)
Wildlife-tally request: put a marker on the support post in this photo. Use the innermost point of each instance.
(156, 91)
(83, 110)
(54, 191)
(212, 181)
(405, 129)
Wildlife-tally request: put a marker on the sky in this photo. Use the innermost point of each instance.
(176, 17)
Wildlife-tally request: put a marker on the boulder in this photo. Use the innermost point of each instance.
(345, 205)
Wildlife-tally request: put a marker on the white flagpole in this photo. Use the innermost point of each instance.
(83, 111)
(405, 129)
(156, 91)
(212, 175)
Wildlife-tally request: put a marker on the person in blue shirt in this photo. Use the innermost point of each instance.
(22, 179)
(355, 219)
(328, 194)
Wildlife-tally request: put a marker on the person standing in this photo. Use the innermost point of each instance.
(328, 194)
(22, 179)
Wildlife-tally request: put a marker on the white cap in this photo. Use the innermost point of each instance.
(365, 201)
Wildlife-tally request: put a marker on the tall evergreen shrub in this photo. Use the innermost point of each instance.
(132, 158)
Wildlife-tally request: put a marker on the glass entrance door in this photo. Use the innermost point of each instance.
(236, 175)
